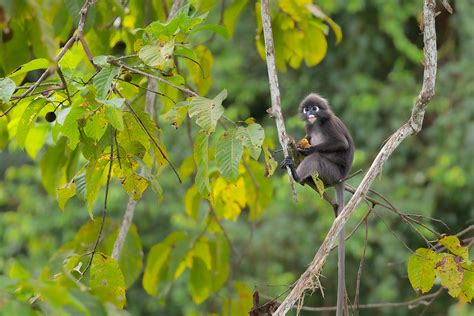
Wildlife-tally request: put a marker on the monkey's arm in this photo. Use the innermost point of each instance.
(326, 147)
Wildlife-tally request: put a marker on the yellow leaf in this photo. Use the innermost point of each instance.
(421, 266)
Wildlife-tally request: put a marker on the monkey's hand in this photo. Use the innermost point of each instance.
(306, 151)
(287, 162)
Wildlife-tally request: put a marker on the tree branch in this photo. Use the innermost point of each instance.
(149, 108)
(309, 279)
(274, 89)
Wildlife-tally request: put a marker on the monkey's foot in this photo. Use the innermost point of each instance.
(287, 162)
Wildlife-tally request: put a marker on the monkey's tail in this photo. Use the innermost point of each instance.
(341, 278)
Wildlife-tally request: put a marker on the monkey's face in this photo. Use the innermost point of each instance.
(314, 108)
(310, 112)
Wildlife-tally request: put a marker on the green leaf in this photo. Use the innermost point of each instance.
(101, 60)
(206, 111)
(220, 254)
(107, 281)
(176, 115)
(51, 163)
(453, 244)
(421, 269)
(135, 185)
(65, 193)
(96, 125)
(252, 138)
(38, 63)
(231, 14)
(159, 55)
(467, 286)
(94, 174)
(131, 257)
(201, 158)
(36, 139)
(27, 119)
(202, 251)
(7, 88)
(155, 272)
(114, 113)
(70, 127)
(229, 151)
(315, 46)
(201, 68)
(218, 29)
(199, 281)
(103, 80)
(133, 132)
(192, 202)
(450, 274)
(317, 12)
(4, 135)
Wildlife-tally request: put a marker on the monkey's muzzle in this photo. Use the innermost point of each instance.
(311, 118)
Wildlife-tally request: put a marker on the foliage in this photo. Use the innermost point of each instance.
(454, 269)
(205, 245)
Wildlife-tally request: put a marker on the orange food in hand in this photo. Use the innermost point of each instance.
(303, 143)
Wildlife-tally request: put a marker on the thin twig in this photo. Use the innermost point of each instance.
(146, 74)
(361, 265)
(82, 20)
(150, 136)
(61, 76)
(104, 210)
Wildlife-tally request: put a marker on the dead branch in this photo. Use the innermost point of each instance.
(308, 279)
(274, 89)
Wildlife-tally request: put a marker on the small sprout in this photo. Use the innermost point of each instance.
(50, 117)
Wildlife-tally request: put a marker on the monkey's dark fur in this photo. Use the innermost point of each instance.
(330, 156)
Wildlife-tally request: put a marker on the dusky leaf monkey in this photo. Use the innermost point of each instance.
(330, 156)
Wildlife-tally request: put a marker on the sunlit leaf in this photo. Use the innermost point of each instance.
(38, 63)
(251, 138)
(51, 163)
(7, 87)
(232, 13)
(131, 257)
(199, 281)
(65, 193)
(106, 280)
(421, 269)
(453, 244)
(158, 55)
(156, 262)
(192, 201)
(207, 111)
(135, 185)
(450, 274)
(94, 174)
(27, 119)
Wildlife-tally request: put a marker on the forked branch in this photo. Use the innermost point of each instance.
(309, 279)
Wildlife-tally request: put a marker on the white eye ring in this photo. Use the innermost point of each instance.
(315, 108)
(305, 110)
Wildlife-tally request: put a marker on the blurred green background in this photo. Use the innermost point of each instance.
(371, 80)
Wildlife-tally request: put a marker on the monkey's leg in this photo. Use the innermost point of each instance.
(288, 162)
